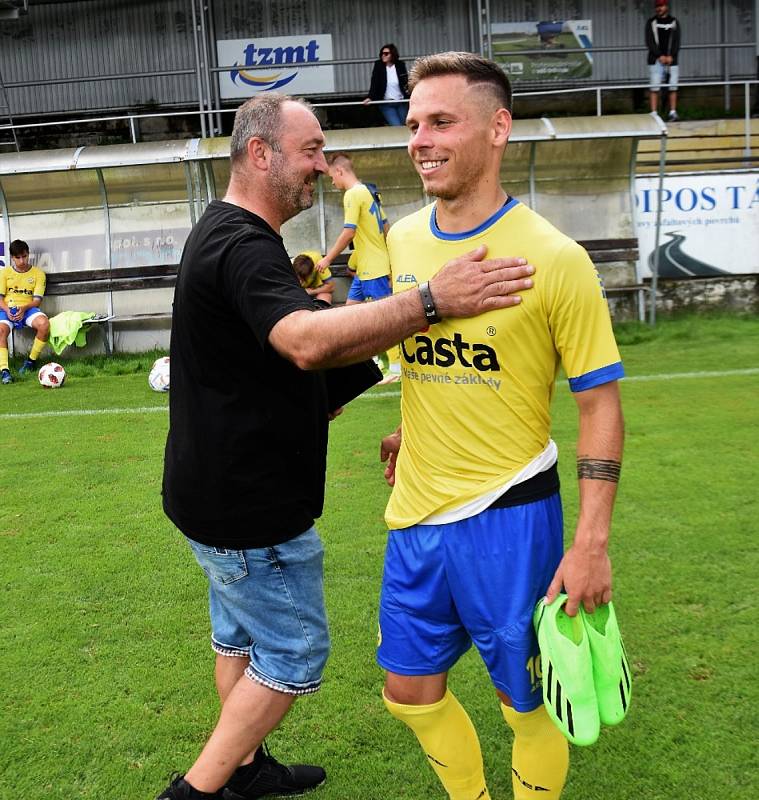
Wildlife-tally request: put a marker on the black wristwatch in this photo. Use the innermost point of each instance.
(428, 303)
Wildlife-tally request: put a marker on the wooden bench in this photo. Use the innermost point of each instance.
(118, 280)
(609, 251)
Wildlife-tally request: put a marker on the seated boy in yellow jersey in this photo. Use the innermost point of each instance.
(318, 283)
(22, 288)
(365, 227)
(475, 516)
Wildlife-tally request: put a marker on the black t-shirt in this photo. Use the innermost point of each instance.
(247, 446)
(663, 38)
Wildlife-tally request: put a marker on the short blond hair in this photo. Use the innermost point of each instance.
(477, 71)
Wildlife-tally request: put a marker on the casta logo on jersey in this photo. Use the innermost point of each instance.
(450, 352)
(256, 57)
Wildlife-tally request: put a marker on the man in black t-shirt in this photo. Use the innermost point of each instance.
(663, 42)
(238, 435)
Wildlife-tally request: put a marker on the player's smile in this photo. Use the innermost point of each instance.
(429, 165)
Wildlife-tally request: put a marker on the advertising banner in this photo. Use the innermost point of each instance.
(709, 224)
(283, 63)
(552, 38)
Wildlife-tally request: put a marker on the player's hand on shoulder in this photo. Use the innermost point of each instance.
(471, 284)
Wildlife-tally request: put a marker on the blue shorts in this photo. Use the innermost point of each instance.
(267, 605)
(373, 289)
(477, 580)
(26, 320)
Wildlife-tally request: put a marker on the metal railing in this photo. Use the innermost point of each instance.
(132, 120)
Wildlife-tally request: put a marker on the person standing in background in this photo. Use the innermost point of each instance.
(390, 82)
(663, 34)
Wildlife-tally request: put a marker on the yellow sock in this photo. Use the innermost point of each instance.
(450, 742)
(37, 346)
(3, 358)
(539, 757)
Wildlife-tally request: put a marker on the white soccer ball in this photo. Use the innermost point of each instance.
(159, 375)
(52, 376)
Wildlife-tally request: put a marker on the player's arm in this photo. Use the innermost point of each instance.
(465, 287)
(324, 292)
(342, 241)
(585, 570)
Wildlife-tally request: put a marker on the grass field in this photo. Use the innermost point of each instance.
(106, 671)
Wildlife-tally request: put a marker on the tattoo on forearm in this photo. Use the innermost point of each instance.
(598, 469)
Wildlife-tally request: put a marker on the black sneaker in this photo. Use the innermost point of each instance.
(5, 376)
(266, 777)
(179, 789)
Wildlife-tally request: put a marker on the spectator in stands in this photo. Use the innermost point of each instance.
(390, 82)
(663, 41)
(317, 282)
(22, 288)
(365, 227)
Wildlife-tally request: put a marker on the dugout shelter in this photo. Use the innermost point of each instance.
(108, 223)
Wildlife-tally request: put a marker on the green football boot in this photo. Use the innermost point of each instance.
(611, 670)
(568, 692)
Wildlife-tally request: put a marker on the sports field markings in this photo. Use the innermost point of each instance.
(87, 412)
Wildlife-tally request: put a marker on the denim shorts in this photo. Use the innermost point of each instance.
(660, 74)
(475, 580)
(267, 605)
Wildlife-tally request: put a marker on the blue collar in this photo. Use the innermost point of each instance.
(491, 220)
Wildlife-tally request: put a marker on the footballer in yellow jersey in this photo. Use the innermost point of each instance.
(365, 226)
(476, 522)
(22, 288)
(499, 367)
(364, 213)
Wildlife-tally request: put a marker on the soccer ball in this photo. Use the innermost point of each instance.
(52, 376)
(159, 375)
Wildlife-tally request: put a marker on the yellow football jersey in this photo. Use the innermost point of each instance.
(476, 392)
(364, 212)
(21, 288)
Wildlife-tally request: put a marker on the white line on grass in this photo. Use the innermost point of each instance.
(86, 412)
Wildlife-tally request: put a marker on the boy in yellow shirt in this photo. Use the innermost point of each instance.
(317, 282)
(22, 288)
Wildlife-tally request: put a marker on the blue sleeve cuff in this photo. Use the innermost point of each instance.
(612, 372)
(349, 225)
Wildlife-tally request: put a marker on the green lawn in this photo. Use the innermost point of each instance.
(106, 670)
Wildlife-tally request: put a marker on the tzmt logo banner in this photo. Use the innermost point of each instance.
(276, 62)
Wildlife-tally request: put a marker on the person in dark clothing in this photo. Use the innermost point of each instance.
(663, 34)
(239, 436)
(390, 82)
